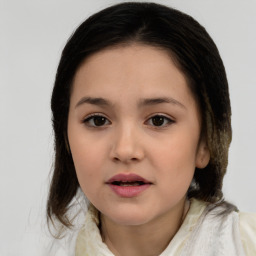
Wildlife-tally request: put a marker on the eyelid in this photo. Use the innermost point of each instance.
(95, 114)
(171, 120)
(86, 119)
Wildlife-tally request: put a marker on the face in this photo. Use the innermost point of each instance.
(134, 133)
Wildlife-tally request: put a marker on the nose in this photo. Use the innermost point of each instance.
(127, 145)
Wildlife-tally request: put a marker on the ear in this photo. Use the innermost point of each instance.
(203, 155)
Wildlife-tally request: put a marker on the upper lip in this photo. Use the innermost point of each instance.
(129, 177)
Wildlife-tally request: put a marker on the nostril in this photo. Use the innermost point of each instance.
(133, 159)
(116, 159)
(126, 154)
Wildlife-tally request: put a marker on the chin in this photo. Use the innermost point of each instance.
(129, 217)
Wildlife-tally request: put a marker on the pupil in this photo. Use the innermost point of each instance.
(99, 120)
(158, 120)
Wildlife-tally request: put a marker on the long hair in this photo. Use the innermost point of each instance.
(194, 53)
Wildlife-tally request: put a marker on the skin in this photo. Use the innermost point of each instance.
(128, 141)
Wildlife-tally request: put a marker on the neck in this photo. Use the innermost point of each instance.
(148, 239)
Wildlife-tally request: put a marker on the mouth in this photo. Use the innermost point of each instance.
(128, 185)
(128, 180)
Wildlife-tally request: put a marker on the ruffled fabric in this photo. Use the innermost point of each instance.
(204, 232)
(248, 232)
(89, 240)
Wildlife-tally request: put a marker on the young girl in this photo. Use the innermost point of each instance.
(141, 115)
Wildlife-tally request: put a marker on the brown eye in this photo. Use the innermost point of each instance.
(159, 121)
(96, 121)
(99, 120)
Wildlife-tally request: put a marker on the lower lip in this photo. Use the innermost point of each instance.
(129, 191)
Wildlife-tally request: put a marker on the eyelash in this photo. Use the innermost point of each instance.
(168, 121)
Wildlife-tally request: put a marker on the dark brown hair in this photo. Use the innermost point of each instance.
(194, 53)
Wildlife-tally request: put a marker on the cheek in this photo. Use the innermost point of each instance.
(88, 156)
(176, 153)
(88, 171)
(175, 172)
(175, 161)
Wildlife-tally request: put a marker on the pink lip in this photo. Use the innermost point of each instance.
(129, 177)
(128, 191)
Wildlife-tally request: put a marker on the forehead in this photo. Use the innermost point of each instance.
(140, 62)
(136, 67)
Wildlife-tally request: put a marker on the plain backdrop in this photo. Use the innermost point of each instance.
(33, 34)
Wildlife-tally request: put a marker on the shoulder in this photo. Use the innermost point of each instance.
(247, 224)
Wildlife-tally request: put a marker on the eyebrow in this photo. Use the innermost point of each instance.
(143, 102)
(94, 101)
(160, 100)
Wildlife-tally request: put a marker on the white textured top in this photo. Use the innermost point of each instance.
(203, 232)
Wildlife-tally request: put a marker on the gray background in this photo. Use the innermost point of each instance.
(33, 34)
